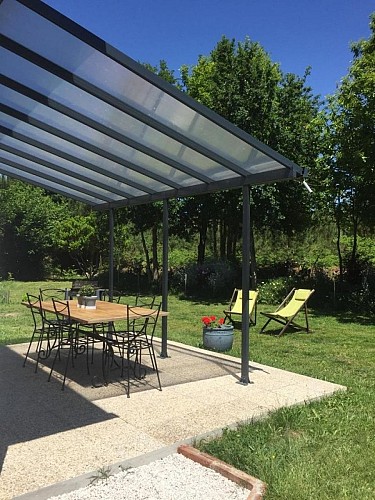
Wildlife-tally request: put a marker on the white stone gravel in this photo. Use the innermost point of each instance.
(174, 477)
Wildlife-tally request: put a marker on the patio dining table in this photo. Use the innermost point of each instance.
(105, 312)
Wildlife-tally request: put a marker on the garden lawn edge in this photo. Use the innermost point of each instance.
(256, 487)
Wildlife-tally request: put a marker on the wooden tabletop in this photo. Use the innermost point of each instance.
(104, 312)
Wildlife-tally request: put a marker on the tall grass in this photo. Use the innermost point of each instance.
(322, 450)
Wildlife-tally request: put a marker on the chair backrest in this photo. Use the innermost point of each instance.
(35, 308)
(302, 294)
(144, 324)
(297, 300)
(116, 296)
(237, 306)
(62, 311)
(145, 300)
(52, 293)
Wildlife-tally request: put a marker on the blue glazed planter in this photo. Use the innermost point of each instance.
(219, 339)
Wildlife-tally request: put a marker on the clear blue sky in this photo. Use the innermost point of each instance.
(295, 33)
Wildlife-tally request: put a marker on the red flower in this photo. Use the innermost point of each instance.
(210, 322)
(206, 320)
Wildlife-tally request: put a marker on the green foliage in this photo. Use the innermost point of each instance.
(240, 82)
(365, 248)
(275, 290)
(83, 236)
(163, 71)
(4, 292)
(346, 173)
(213, 279)
(27, 219)
(87, 291)
(315, 247)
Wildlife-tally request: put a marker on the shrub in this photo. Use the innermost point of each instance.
(275, 290)
(213, 279)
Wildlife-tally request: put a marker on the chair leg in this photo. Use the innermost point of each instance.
(71, 341)
(284, 328)
(54, 361)
(154, 363)
(30, 344)
(70, 353)
(307, 320)
(39, 349)
(264, 326)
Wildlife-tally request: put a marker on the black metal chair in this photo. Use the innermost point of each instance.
(133, 341)
(34, 306)
(39, 328)
(116, 295)
(70, 337)
(143, 339)
(45, 330)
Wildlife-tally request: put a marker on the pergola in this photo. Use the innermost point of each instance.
(82, 119)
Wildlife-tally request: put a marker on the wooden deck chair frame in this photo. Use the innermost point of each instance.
(234, 312)
(291, 306)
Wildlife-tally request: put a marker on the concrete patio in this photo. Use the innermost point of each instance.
(53, 441)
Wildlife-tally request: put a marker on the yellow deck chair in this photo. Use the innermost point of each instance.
(295, 302)
(234, 311)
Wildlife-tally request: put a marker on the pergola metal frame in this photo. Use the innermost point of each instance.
(82, 119)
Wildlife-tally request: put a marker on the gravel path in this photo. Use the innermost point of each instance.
(172, 478)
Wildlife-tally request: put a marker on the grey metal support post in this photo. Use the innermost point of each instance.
(111, 248)
(164, 319)
(245, 344)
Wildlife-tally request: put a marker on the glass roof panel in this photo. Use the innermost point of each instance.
(77, 103)
(72, 169)
(49, 185)
(84, 61)
(127, 174)
(109, 116)
(45, 172)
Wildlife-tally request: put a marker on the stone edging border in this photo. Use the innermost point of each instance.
(256, 487)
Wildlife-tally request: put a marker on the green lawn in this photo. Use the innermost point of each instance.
(323, 450)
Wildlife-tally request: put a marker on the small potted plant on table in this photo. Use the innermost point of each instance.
(216, 334)
(87, 296)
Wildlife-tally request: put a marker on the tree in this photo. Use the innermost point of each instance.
(27, 220)
(240, 82)
(79, 233)
(350, 148)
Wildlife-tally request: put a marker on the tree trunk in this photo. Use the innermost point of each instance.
(223, 235)
(155, 263)
(214, 239)
(338, 241)
(355, 240)
(231, 239)
(202, 243)
(147, 256)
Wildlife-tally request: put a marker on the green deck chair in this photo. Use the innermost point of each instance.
(294, 303)
(234, 311)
